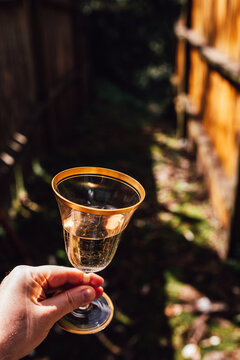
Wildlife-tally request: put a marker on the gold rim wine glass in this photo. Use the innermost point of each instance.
(95, 205)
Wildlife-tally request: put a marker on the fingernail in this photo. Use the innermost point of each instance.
(96, 281)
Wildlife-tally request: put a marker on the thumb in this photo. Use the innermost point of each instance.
(67, 301)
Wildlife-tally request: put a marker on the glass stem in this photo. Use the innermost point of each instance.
(88, 306)
(84, 308)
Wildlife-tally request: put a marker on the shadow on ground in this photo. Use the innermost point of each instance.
(121, 137)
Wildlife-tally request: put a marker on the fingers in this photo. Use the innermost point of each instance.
(81, 290)
(55, 277)
(32, 283)
(65, 302)
(99, 292)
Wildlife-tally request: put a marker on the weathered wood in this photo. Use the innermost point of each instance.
(183, 65)
(17, 83)
(213, 97)
(215, 58)
(43, 75)
(51, 71)
(182, 32)
(221, 188)
(234, 228)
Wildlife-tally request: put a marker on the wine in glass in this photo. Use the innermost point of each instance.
(96, 205)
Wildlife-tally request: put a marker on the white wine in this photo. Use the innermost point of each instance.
(89, 254)
(92, 240)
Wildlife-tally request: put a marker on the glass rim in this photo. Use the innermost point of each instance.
(90, 170)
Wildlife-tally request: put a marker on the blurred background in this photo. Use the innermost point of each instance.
(150, 88)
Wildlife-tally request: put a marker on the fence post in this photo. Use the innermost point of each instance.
(234, 228)
(182, 86)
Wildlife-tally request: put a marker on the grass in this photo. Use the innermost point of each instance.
(168, 256)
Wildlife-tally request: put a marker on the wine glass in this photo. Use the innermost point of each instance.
(96, 205)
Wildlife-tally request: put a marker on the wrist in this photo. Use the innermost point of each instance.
(6, 350)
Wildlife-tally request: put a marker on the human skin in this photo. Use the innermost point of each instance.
(31, 303)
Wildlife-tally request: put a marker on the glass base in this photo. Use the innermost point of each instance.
(90, 320)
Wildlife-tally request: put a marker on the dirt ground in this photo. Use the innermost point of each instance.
(174, 297)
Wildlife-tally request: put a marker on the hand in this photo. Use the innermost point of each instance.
(27, 313)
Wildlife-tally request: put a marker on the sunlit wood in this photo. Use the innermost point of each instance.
(210, 45)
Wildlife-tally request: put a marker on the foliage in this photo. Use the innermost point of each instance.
(131, 43)
(165, 258)
(169, 255)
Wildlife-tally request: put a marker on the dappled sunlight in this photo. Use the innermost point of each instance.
(182, 194)
(175, 294)
(167, 281)
(15, 145)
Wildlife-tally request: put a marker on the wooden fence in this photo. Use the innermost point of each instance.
(43, 69)
(43, 81)
(208, 100)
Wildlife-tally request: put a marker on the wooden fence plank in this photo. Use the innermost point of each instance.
(215, 58)
(43, 73)
(213, 96)
(17, 83)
